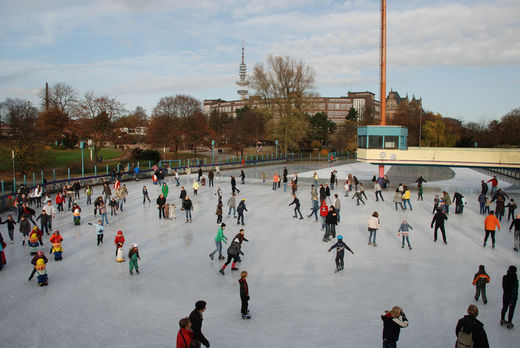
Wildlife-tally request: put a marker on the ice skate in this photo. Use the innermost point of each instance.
(502, 322)
(374, 244)
(221, 257)
(234, 269)
(509, 325)
(369, 243)
(211, 256)
(246, 316)
(221, 271)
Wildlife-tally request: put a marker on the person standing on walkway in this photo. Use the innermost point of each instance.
(490, 225)
(510, 296)
(438, 220)
(296, 203)
(232, 205)
(284, 176)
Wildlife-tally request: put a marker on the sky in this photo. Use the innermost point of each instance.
(461, 57)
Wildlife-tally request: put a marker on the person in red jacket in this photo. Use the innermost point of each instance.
(490, 225)
(324, 210)
(59, 202)
(119, 241)
(494, 185)
(185, 335)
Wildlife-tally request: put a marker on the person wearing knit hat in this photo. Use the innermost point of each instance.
(133, 256)
(340, 252)
(119, 242)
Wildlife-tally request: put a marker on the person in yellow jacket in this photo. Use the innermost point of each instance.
(490, 225)
(406, 198)
(195, 187)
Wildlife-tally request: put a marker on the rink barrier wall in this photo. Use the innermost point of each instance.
(233, 162)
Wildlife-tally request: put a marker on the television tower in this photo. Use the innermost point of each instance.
(382, 61)
(242, 72)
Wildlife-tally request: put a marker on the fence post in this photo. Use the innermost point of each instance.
(179, 163)
(205, 160)
(107, 169)
(34, 179)
(68, 175)
(2, 187)
(42, 177)
(95, 170)
(14, 184)
(319, 156)
(54, 179)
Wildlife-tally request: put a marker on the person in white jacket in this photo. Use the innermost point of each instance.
(373, 226)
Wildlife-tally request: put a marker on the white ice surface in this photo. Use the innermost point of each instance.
(296, 298)
(362, 170)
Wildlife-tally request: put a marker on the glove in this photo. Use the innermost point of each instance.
(248, 298)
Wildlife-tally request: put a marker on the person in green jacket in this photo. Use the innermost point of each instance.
(133, 256)
(218, 242)
(165, 190)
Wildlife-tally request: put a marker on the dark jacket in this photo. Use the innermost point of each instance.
(241, 207)
(481, 279)
(234, 249)
(439, 218)
(44, 218)
(241, 238)
(471, 325)
(457, 197)
(331, 218)
(296, 202)
(244, 289)
(196, 327)
(161, 201)
(183, 194)
(516, 223)
(187, 205)
(10, 223)
(233, 182)
(485, 188)
(510, 287)
(340, 247)
(392, 327)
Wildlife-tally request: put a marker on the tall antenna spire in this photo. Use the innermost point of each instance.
(242, 73)
(383, 64)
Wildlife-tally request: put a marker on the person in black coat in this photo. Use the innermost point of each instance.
(393, 321)
(200, 173)
(196, 322)
(485, 187)
(242, 177)
(331, 220)
(240, 211)
(340, 252)
(470, 324)
(244, 295)
(438, 219)
(234, 185)
(510, 296)
(296, 203)
(161, 201)
(234, 251)
(459, 203)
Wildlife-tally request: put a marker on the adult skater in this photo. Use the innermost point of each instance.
(315, 208)
(185, 335)
(244, 295)
(490, 225)
(331, 220)
(511, 207)
(240, 210)
(188, 207)
(373, 226)
(25, 228)
(296, 203)
(510, 296)
(219, 238)
(242, 177)
(447, 201)
(358, 196)
(340, 252)
(494, 185)
(161, 202)
(199, 173)
(2, 253)
(234, 251)
(419, 183)
(196, 322)
(211, 176)
(337, 205)
(484, 187)
(377, 191)
(218, 212)
(438, 220)
(182, 195)
(480, 280)
(44, 221)
(234, 185)
(516, 225)
(458, 198)
(10, 226)
(145, 195)
(284, 179)
(332, 180)
(482, 202)
(393, 321)
(398, 199)
(232, 205)
(133, 256)
(406, 198)
(470, 331)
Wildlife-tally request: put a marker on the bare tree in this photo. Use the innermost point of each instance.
(62, 97)
(284, 84)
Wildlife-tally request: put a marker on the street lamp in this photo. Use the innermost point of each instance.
(420, 127)
(213, 152)
(82, 147)
(14, 175)
(276, 145)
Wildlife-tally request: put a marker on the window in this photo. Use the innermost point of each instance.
(375, 142)
(337, 106)
(362, 141)
(322, 106)
(391, 142)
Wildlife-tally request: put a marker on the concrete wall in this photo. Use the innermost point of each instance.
(463, 157)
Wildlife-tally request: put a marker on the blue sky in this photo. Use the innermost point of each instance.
(461, 57)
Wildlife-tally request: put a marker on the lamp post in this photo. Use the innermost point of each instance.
(213, 152)
(14, 175)
(82, 147)
(276, 145)
(420, 127)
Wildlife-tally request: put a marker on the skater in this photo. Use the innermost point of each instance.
(211, 176)
(373, 226)
(106, 191)
(362, 190)
(3, 261)
(377, 191)
(482, 203)
(119, 241)
(133, 256)
(494, 185)
(177, 183)
(459, 202)
(188, 207)
(327, 193)
(470, 331)
(296, 203)
(398, 199)
(10, 226)
(331, 220)
(231, 204)
(284, 179)
(218, 212)
(103, 211)
(166, 210)
(263, 177)
(439, 219)
(120, 197)
(39, 255)
(185, 335)
(484, 186)
(244, 295)
(516, 224)
(113, 206)
(480, 280)
(419, 182)
(233, 253)
(171, 211)
(337, 205)
(393, 321)
(510, 296)
(240, 210)
(161, 201)
(234, 185)
(358, 196)
(99, 231)
(182, 195)
(199, 173)
(195, 187)
(315, 208)
(25, 228)
(340, 252)
(406, 198)
(404, 230)
(500, 207)
(145, 195)
(490, 225)
(242, 177)
(218, 242)
(88, 193)
(447, 202)
(324, 210)
(511, 207)
(218, 193)
(275, 181)
(196, 322)
(487, 205)
(165, 189)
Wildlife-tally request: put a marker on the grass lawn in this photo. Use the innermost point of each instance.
(62, 158)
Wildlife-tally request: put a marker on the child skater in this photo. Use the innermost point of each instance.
(99, 230)
(244, 295)
(185, 334)
(171, 211)
(56, 249)
(41, 272)
(340, 253)
(480, 280)
(119, 242)
(219, 211)
(403, 229)
(133, 256)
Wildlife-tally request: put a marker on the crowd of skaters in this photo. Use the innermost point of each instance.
(330, 217)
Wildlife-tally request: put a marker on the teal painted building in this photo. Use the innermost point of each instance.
(382, 137)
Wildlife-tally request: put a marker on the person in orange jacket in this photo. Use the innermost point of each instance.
(490, 225)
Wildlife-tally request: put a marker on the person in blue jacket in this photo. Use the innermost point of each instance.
(340, 252)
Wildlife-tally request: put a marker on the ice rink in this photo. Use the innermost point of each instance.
(296, 298)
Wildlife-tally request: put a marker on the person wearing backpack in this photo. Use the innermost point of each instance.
(480, 280)
(470, 331)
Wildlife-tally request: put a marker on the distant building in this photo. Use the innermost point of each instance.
(394, 99)
(134, 131)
